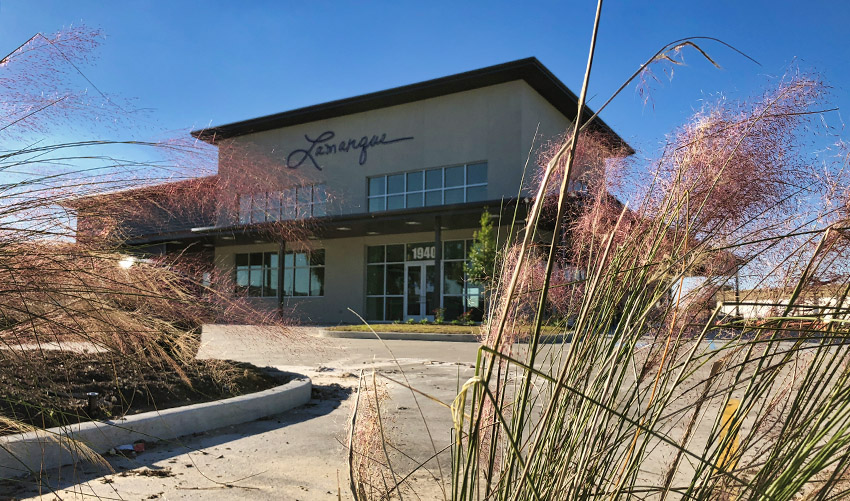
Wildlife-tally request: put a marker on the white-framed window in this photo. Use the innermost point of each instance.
(257, 273)
(428, 187)
(304, 273)
(299, 202)
(385, 282)
(385, 269)
(461, 296)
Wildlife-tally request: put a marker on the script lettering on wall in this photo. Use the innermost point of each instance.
(324, 144)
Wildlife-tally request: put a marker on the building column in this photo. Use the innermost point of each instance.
(438, 262)
(281, 250)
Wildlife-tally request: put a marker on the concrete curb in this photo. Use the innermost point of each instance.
(40, 450)
(425, 336)
(409, 336)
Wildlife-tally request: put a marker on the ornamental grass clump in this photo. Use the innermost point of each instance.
(76, 280)
(663, 386)
(662, 392)
(370, 463)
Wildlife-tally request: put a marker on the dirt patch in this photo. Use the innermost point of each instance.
(333, 391)
(51, 389)
(147, 472)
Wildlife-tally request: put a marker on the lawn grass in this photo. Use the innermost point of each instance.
(425, 328)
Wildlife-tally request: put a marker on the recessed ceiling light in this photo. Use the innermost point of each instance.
(372, 233)
(343, 228)
(126, 262)
(413, 223)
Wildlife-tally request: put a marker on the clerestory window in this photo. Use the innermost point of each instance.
(428, 187)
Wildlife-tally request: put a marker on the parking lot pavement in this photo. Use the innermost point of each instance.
(300, 455)
(297, 455)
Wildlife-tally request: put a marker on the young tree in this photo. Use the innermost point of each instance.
(481, 267)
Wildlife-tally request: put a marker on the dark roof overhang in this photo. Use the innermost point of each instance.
(456, 216)
(530, 70)
(177, 237)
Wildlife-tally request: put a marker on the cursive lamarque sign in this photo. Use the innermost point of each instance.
(324, 144)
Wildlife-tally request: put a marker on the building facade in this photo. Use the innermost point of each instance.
(385, 190)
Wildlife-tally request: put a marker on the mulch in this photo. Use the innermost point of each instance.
(47, 389)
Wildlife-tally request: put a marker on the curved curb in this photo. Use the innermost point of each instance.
(36, 451)
(408, 336)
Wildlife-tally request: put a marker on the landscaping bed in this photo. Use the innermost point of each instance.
(49, 389)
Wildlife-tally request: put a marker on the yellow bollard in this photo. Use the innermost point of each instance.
(728, 458)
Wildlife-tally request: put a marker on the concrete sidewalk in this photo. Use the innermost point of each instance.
(297, 455)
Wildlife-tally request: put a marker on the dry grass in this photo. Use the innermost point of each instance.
(634, 406)
(654, 397)
(55, 288)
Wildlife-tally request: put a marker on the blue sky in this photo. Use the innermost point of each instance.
(198, 63)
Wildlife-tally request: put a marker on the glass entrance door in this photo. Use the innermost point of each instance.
(419, 291)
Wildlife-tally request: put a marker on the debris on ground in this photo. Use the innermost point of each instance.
(148, 472)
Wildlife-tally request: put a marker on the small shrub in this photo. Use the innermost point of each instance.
(466, 318)
(439, 316)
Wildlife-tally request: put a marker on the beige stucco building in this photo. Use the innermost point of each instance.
(385, 189)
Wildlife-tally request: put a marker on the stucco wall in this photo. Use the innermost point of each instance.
(543, 129)
(345, 273)
(495, 124)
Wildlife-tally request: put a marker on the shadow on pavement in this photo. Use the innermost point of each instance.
(324, 399)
